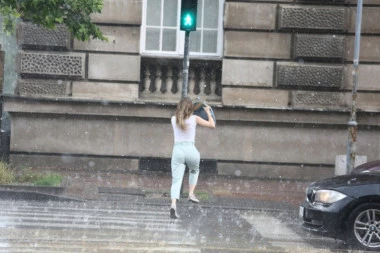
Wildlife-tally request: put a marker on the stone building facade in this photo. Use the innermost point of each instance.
(281, 91)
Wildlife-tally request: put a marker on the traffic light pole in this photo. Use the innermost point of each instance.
(185, 73)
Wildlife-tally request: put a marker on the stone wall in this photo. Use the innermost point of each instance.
(285, 96)
(299, 54)
(53, 64)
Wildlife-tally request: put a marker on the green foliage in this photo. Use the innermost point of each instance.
(75, 14)
(6, 174)
(49, 180)
(27, 176)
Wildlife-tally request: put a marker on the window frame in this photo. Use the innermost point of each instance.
(180, 38)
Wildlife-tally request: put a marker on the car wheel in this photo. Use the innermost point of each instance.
(364, 227)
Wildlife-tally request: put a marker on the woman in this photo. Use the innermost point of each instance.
(184, 151)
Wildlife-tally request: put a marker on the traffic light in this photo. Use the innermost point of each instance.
(188, 15)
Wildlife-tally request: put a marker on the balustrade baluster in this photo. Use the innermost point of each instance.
(179, 80)
(202, 82)
(157, 80)
(191, 82)
(213, 82)
(146, 81)
(162, 79)
(169, 79)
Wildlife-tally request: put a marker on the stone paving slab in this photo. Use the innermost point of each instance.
(154, 188)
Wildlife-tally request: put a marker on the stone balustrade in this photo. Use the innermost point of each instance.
(163, 80)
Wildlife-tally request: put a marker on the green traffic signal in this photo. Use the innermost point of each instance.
(188, 21)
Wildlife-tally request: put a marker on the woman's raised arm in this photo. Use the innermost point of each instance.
(210, 123)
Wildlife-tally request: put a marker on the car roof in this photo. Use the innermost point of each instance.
(373, 166)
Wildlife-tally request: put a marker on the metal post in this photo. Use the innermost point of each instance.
(185, 72)
(352, 124)
(185, 76)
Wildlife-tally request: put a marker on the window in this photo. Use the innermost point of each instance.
(160, 34)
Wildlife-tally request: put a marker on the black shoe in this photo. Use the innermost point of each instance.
(173, 213)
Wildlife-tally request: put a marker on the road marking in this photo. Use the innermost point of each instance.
(278, 233)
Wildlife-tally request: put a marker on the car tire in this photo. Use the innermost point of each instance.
(363, 227)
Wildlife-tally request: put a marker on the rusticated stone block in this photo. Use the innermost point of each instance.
(317, 100)
(239, 16)
(37, 87)
(50, 64)
(319, 46)
(109, 91)
(121, 39)
(255, 97)
(34, 36)
(313, 18)
(247, 73)
(308, 76)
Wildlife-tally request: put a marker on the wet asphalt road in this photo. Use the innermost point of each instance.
(110, 226)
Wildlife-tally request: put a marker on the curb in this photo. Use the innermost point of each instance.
(34, 196)
(136, 196)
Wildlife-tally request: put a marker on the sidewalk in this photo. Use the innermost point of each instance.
(154, 188)
(211, 189)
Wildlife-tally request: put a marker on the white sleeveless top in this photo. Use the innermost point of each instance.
(185, 135)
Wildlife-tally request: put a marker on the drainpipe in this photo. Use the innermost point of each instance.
(352, 124)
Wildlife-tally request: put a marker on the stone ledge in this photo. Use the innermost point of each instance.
(158, 110)
(70, 162)
(278, 171)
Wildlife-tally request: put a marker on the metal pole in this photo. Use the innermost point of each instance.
(352, 124)
(185, 72)
(185, 75)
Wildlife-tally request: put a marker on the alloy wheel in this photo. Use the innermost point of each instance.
(367, 228)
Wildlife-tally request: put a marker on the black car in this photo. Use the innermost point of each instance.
(346, 207)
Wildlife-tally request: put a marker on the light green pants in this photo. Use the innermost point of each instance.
(184, 153)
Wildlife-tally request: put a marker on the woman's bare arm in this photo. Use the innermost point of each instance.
(210, 123)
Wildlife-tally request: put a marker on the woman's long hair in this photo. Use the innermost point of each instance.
(184, 111)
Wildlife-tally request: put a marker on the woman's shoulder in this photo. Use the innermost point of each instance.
(193, 118)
